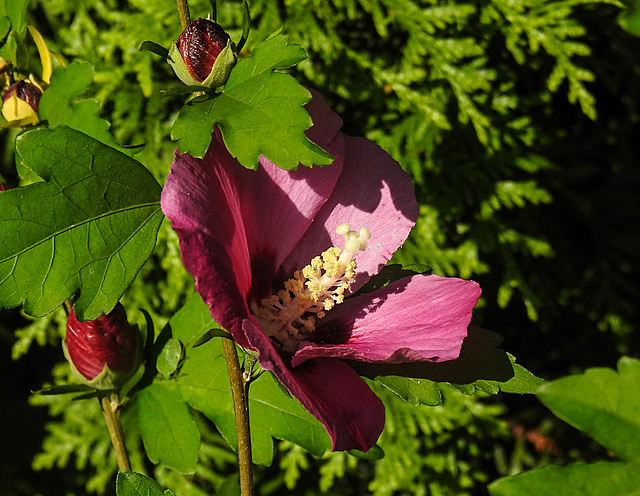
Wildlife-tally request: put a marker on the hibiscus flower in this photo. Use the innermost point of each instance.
(277, 256)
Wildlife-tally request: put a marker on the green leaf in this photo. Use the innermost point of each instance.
(204, 384)
(596, 479)
(130, 483)
(87, 229)
(58, 104)
(16, 12)
(276, 414)
(629, 18)
(64, 389)
(5, 27)
(480, 366)
(169, 433)
(210, 334)
(375, 453)
(150, 46)
(415, 391)
(258, 112)
(603, 404)
(169, 357)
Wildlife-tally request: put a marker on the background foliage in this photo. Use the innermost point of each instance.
(518, 122)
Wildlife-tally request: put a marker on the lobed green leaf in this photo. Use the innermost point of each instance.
(258, 112)
(58, 105)
(87, 229)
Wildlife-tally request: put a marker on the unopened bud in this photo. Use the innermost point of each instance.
(103, 353)
(203, 55)
(20, 102)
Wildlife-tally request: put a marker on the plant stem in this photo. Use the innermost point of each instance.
(183, 11)
(240, 394)
(110, 409)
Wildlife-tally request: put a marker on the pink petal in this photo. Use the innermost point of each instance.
(237, 225)
(330, 390)
(280, 205)
(423, 317)
(374, 192)
(201, 199)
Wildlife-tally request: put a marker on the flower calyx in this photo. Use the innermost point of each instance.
(203, 55)
(289, 316)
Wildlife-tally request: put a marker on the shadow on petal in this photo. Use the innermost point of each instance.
(479, 359)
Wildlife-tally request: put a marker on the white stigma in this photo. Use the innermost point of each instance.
(289, 316)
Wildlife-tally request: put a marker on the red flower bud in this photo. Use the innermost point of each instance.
(20, 101)
(200, 44)
(104, 353)
(203, 55)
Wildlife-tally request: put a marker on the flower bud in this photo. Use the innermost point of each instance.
(103, 353)
(20, 102)
(203, 55)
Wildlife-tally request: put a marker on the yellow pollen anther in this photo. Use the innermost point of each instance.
(288, 316)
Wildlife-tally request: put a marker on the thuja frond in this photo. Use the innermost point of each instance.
(77, 435)
(43, 331)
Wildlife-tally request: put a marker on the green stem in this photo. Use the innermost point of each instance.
(183, 11)
(240, 394)
(110, 409)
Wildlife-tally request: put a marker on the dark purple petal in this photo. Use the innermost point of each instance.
(330, 390)
(201, 199)
(373, 192)
(423, 317)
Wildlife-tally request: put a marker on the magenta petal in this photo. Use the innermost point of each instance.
(330, 390)
(200, 198)
(374, 192)
(423, 317)
(237, 225)
(278, 206)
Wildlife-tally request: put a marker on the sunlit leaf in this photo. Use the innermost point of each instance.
(259, 111)
(58, 104)
(603, 403)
